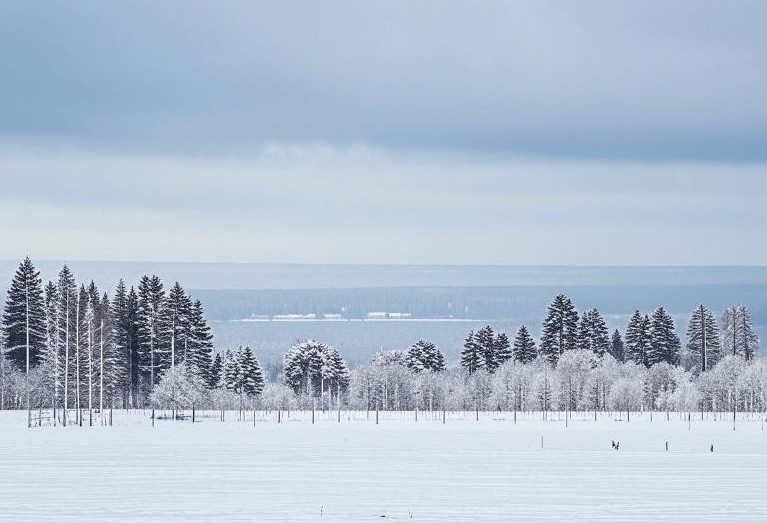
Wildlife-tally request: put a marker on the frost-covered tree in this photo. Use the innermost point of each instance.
(703, 345)
(512, 386)
(278, 396)
(637, 338)
(573, 370)
(50, 357)
(24, 317)
(67, 291)
(179, 388)
(424, 356)
(390, 357)
(560, 329)
(231, 372)
(660, 385)
(592, 333)
(664, 342)
(617, 349)
(738, 336)
(524, 346)
(311, 367)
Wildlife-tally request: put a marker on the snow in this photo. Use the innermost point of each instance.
(464, 470)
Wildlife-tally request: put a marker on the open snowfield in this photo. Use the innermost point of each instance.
(465, 470)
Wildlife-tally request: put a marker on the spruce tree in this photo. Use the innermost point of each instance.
(50, 357)
(133, 347)
(251, 375)
(216, 372)
(560, 329)
(617, 349)
(664, 341)
(174, 325)
(592, 333)
(424, 356)
(153, 359)
(502, 348)
(114, 366)
(200, 341)
(485, 340)
(67, 291)
(24, 326)
(703, 344)
(637, 338)
(231, 370)
(524, 346)
(471, 356)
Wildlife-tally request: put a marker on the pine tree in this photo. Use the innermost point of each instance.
(24, 326)
(524, 346)
(485, 339)
(637, 338)
(559, 329)
(664, 342)
(311, 367)
(471, 356)
(67, 291)
(703, 345)
(133, 346)
(252, 376)
(216, 373)
(121, 335)
(174, 325)
(592, 333)
(153, 359)
(231, 371)
(424, 356)
(200, 341)
(113, 373)
(49, 359)
(738, 336)
(617, 349)
(502, 348)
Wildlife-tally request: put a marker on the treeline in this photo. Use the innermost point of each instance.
(649, 339)
(68, 346)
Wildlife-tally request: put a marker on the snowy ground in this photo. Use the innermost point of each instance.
(465, 470)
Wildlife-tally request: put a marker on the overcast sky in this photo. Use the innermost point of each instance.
(406, 132)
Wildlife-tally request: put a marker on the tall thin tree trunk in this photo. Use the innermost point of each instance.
(29, 411)
(101, 369)
(77, 363)
(703, 338)
(66, 365)
(90, 373)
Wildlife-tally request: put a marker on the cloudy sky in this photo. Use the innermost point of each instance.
(407, 132)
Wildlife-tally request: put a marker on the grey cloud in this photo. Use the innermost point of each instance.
(644, 81)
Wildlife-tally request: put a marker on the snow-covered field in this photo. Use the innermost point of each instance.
(464, 470)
